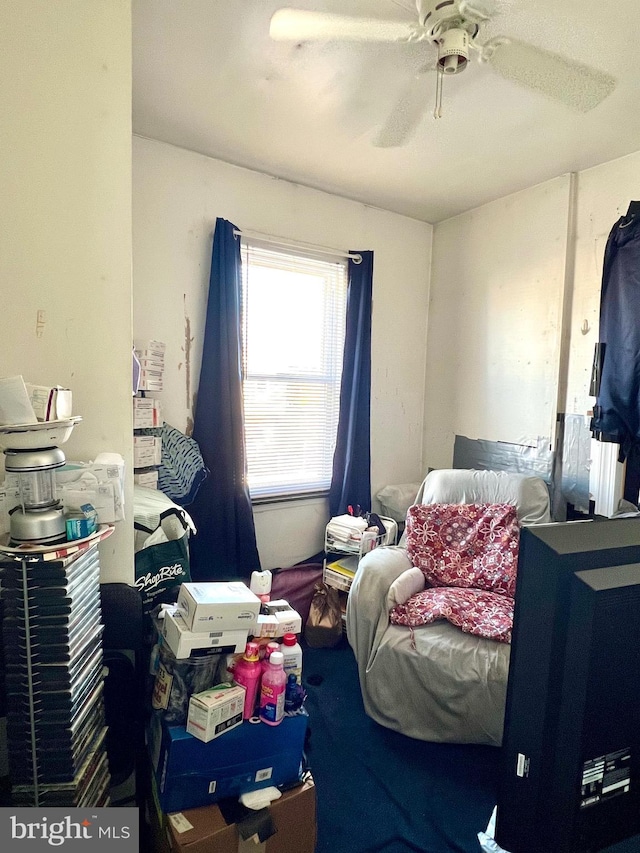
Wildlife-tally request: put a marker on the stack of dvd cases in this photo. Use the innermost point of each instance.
(52, 630)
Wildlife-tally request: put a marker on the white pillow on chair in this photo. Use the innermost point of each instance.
(405, 585)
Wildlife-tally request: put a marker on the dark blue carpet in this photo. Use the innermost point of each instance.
(379, 791)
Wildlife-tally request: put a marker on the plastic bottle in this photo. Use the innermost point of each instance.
(247, 673)
(270, 649)
(260, 585)
(293, 696)
(292, 656)
(272, 690)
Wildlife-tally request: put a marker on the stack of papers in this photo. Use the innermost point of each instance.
(23, 404)
(15, 405)
(346, 566)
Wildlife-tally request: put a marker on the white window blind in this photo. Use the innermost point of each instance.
(293, 309)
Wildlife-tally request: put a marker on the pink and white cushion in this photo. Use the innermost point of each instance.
(465, 545)
(468, 554)
(474, 611)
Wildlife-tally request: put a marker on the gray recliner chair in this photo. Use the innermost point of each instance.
(435, 682)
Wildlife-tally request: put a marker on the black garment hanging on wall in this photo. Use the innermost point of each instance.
(616, 369)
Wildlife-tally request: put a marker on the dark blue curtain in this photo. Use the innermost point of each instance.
(351, 480)
(225, 545)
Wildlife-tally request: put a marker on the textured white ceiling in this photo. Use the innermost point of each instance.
(206, 76)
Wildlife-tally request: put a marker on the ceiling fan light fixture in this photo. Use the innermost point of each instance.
(453, 51)
(451, 28)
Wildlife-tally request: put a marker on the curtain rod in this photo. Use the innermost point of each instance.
(279, 241)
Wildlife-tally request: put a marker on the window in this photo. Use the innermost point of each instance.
(293, 318)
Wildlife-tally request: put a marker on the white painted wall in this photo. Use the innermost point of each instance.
(497, 286)
(65, 233)
(499, 274)
(177, 196)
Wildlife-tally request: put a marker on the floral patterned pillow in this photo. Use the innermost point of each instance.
(465, 545)
(474, 611)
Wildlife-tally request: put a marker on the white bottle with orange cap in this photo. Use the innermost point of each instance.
(292, 656)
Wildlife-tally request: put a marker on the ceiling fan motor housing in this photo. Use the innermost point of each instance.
(439, 15)
(453, 51)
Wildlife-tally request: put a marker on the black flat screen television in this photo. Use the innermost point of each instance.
(570, 777)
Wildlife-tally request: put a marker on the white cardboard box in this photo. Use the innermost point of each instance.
(147, 479)
(158, 348)
(215, 711)
(218, 606)
(50, 404)
(184, 642)
(146, 413)
(266, 626)
(278, 624)
(151, 363)
(147, 451)
(150, 380)
(289, 620)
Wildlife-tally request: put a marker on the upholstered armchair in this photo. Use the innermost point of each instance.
(442, 680)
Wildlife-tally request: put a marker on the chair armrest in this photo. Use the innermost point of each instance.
(368, 601)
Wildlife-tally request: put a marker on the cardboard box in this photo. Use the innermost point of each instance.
(151, 386)
(148, 348)
(184, 642)
(278, 624)
(215, 711)
(218, 606)
(50, 404)
(147, 450)
(147, 478)
(150, 380)
(146, 413)
(266, 626)
(150, 362)
(81, 524)
(190, 773)
(288, 620)
(291, 819)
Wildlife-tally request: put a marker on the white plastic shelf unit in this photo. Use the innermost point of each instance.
(341, 559)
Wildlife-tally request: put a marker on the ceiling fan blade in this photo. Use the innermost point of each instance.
(578, 86)
(302, 25)
(405, 117)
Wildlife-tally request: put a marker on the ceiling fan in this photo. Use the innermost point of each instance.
(451, 26)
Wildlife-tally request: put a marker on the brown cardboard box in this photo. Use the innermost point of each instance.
(293, 816)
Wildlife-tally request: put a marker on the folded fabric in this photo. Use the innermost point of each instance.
(347, 523)
(182, 470)
(465, 545)
(474, 611)
(346, 529)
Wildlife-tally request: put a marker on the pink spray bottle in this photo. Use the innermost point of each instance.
(247, 673)
(272, 690)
